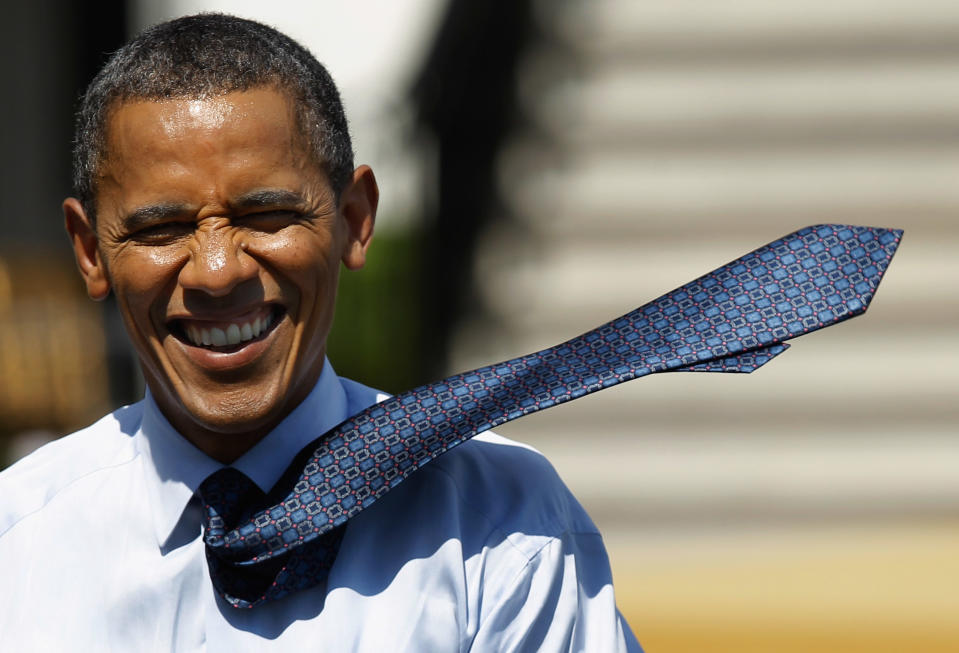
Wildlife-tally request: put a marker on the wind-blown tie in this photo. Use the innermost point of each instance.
(734, 319)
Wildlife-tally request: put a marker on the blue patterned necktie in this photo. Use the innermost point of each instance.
(735, 319)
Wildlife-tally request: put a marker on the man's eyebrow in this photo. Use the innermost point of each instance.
(147, 215)
(267, 198)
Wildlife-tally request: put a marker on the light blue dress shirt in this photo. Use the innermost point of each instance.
(484, 549)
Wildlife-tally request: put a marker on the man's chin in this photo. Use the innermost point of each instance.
(226, 425)
(226, 444)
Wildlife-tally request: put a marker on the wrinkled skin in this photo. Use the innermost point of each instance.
(211, 212)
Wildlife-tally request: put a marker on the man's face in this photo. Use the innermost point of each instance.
(221, 239)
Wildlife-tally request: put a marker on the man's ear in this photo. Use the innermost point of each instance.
(358, 206)
(83, 236)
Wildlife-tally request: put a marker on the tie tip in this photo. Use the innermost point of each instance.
(869, 251)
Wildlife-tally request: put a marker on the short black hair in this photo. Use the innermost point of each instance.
(207, 55)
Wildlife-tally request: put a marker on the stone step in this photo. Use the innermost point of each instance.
(758, 407)
(649, 479)
(636, 184)
(764, 105)
(745, 26)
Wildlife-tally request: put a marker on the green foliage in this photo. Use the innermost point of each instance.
(378, 316)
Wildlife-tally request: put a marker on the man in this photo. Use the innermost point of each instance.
(216, 198)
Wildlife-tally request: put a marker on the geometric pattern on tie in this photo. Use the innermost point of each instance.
(734, 319)
(229, 496)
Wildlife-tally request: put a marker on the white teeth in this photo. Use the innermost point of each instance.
(218, 337)
(234, 334)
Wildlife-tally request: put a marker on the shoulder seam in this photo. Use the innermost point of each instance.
(552, 540)
(512, 583)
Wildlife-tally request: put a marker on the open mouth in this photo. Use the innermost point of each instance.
(228, 335)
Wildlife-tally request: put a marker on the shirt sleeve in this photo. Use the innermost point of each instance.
(562, 600)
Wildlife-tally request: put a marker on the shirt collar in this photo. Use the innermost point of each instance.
(174, 468)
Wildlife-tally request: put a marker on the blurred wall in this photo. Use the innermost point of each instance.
(812, 504)
(56, 344)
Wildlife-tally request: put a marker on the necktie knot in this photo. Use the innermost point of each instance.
(229, 500)
(228, 495)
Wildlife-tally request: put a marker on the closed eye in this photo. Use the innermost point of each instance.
(268, 221)
(162, 232)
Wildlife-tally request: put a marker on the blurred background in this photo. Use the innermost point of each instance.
(547, 165)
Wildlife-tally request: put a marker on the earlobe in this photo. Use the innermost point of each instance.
(358, 203)
(83, 237)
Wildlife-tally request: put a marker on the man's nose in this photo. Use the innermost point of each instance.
(218, 262)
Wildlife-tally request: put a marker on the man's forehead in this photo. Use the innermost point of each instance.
(258, 118)
(161, 151)
(208, 113)
(175, 116)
